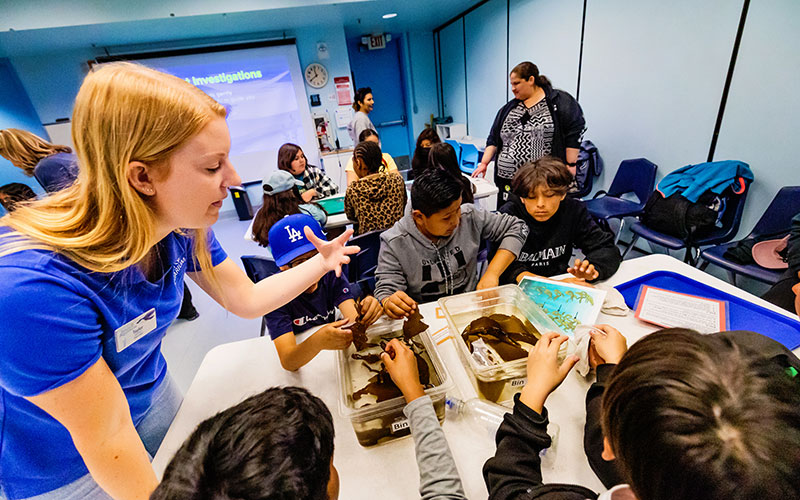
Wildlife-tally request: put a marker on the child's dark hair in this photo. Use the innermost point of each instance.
(16, 192)
(547, 171)
(434, 190)
(277, 444)
(443, 155)
(429, 134)
(360, 95)
(693, 416)
(276, 207)
(286, 155)
(366, 134)
(370, 155)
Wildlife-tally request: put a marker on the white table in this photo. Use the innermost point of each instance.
(231, 372)
(483, 189)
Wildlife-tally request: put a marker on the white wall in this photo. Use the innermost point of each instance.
(453, 77)
(760, 122)
(486, 71)
(652, 78)
(547, 33)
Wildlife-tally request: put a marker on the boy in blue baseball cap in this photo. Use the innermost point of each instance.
(317, 305)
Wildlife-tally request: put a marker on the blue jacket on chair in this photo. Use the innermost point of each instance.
(692, 181)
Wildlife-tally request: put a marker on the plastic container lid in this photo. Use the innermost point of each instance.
(461, 310)
(394, 405)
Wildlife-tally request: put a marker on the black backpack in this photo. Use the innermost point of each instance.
(589, 166)
(679, 217)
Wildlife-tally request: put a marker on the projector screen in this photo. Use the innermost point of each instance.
(263, 90)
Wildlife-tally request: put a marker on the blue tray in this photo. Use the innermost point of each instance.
(742, 314)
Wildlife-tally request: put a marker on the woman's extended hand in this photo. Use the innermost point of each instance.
(480, 170)
(334, 253)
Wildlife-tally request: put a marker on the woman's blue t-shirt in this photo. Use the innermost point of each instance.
(57, 319)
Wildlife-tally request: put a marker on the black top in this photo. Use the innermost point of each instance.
(549, 245)
(567, 116)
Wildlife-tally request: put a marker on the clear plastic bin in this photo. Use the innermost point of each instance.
(378, 423)
(497, 383)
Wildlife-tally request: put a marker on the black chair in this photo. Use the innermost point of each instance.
(361, 269)
(636, 176)
(731, 219)
(774, 223)
(258, 268)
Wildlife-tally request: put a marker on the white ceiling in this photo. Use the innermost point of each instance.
(70, 24)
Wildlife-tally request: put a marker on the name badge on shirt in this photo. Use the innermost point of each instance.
(135, 329)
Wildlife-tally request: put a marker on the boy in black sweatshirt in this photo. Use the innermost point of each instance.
(556, 225)
(679, 416)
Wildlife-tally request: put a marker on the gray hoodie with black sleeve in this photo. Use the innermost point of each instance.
(426, 271)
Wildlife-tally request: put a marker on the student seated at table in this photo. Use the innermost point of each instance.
(317, 305)
(279, 444)
(556, 225)
(442, 155)
(680, 415)
(282, 198)
(387, 162)
(377, 199)
(419, 162)
(432, 251)
(315, 183)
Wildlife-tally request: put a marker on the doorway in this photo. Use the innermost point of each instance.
(381, 71)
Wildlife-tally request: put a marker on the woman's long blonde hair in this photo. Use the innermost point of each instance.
(24, 149)
(123, 112)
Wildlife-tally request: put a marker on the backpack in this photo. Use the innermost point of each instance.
(589, 166)
(679, 217)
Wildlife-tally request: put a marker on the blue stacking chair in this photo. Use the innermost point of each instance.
(361, 269)
(469, 158)
(729, 227)
(258, 268)
(457, 147)
(774, 223)
(633, 176)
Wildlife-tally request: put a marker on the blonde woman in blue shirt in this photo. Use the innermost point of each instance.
(94, 275)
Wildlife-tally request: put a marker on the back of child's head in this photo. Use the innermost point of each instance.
(443, 155)
(369, 153)
(367, 133)
(693, 416)
(13, 193)
(281, 198)
(277, 444)
(433, 191)
(548, 172)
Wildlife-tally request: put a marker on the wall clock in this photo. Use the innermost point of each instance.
(316, 75)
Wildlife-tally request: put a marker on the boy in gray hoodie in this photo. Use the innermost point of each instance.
(432, 252)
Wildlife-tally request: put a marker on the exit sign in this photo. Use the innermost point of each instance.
(377, 42)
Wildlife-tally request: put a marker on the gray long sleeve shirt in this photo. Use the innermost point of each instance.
(426, 271)
(438, 476)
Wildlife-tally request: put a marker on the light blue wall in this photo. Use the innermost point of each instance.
(16, 111)
(423, 70)
(486, 71)
(547, 33)
(453, 77)
(760, 122)
(653, 74)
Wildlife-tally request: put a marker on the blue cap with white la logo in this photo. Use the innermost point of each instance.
(287, 239)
